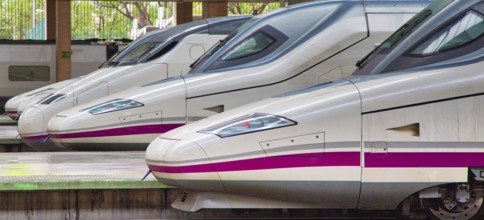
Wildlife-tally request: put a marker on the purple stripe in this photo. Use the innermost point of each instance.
(142, 129)
(430, 159)
(11, 112)
(35, 137)
(372, 160)
(274, 162)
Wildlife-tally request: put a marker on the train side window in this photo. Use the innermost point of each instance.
(28, 73)
(463, 31)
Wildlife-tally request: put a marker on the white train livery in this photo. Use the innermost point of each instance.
(407, 128)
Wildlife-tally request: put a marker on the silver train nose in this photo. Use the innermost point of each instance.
(62, 123)
(12, 113)
(11, 107)
(32, 129)
(180, 164)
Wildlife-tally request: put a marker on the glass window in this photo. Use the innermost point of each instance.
(28, 73)
(376, 56)
(461, 32)
(198, 64)
(162, 51)
(52, 98)
(255, 44)
(136, 54)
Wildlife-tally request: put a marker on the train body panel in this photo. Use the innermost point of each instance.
(406, 128)
(145, 60)
(324, 48)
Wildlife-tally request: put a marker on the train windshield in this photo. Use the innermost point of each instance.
(429, 37)
(135, 54)
(465, 30)
(154, 44)
(195, 66)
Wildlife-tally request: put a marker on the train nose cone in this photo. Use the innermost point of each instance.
(12, 113)
(31, 127)
(179, 163)
(60, 128)
(11, 107)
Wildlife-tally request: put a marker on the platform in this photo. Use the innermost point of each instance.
(74, 170)
(5, 120)
(8, 131)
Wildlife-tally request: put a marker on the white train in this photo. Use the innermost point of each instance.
(28, 65)
(406, 129)
(158, 55)
(267, 56)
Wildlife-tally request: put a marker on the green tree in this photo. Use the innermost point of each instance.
(18, 17)
(249, 7)
(100, 19)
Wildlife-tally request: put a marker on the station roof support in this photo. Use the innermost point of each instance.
(63, 39)
(183, 12)
(214, 9)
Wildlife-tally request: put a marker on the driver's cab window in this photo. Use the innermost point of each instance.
(255, 44)
(136, 54)
(254, 47)
(464, 30)
(460, 36)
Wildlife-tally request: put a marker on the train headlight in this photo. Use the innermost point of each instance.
(113, 105)
(247, 124)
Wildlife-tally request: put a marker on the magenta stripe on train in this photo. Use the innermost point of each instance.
(273, 162)
(372, 160)
(142, 129)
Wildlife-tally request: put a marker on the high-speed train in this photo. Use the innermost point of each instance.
(158, 55)
(267, 56)
(26, 65)
(146, 54)
(407, 128)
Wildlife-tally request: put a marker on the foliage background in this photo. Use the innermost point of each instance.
(109, 20)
